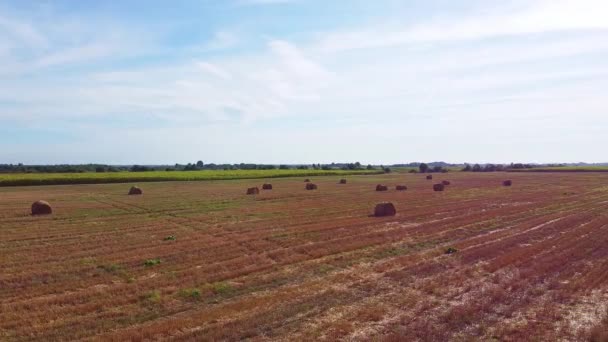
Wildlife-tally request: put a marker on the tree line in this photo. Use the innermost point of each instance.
(196, 166)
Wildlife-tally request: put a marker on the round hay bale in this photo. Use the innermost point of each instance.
(401, 188)
(267, 186)
(310, 186)
(41, 208)
(429, 177)
(445, 182)
(507, 183)
(307, 180)
(135, 191)
(253, 191)
(438, 187)
(381, 187)
(385, 209)
(342, 181)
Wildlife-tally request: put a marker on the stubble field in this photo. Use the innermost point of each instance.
(203, 261)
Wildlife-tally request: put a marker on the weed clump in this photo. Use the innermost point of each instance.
(151, 297)
(192, 294)
(451, 250)
(170, 238)
(152, 262)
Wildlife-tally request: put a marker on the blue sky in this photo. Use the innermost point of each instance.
(296, 81)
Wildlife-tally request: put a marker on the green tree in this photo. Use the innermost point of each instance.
(423, 168)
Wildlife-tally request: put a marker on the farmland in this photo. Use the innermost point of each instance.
(23, 179)
(203, 261)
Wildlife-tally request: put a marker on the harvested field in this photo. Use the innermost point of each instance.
(204, 261)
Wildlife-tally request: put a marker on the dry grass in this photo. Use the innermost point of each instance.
(291, 264)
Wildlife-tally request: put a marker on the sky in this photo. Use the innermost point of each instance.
(303, 81)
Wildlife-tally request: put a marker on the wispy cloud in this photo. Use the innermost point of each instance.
(529, 18)
(21, 32)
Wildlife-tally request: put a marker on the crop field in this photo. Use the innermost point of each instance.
(202, 261)
(22, 179)
(566, 169)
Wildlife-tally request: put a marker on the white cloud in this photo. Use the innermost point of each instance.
(530, 18)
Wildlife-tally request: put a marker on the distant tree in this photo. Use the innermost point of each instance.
(190, 167)
(476, 168)
(489, 168)
(387, 170)
(437, 168)
(200, 164)
(100, 169)
(467, 167)
(423, 168)
(138, 168)
(369, 167)
(283, 167)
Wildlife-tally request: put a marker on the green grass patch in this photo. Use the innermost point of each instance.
(152, 262)
(190, 294)
(111, 268)
(151, 297)
(23, 179)
(221, 288)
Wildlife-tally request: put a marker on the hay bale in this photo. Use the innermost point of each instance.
(267, 186)
(438, 187)
(429, 177)
(381, 187)
(507, 183)
(41, 208)
(385, 209)
(401, 188)
(445, 182)
(310, 186)
(342, 181)
(135, 191)
(253, 191)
